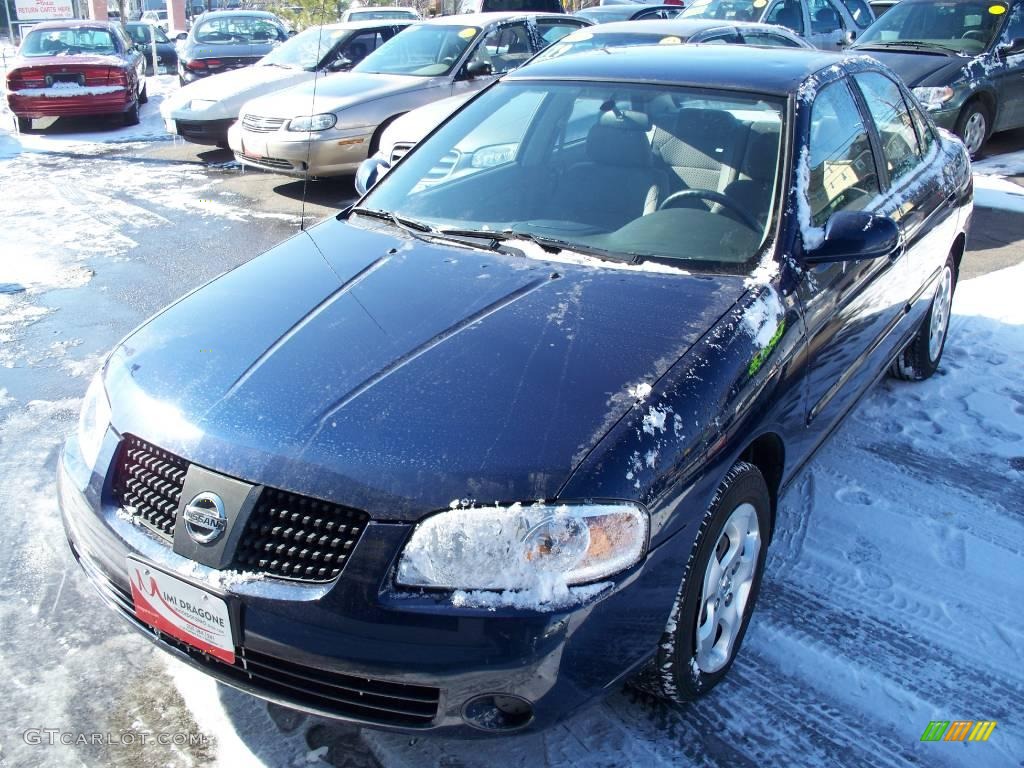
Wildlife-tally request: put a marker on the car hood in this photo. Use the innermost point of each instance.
(414, 125)
(366, 367)
(921, 68)
(230, 90)
(336, 92)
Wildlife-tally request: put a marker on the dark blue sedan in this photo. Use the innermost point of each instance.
(512, 430)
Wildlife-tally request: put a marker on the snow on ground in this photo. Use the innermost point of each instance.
(991, 187)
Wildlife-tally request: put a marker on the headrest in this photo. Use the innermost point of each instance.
(620, 138)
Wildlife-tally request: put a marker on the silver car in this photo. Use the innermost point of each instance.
(827, 24)
(329, 127)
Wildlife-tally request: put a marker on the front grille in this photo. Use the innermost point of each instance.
(362, 698)
(296, 537)
(148, 483)
(270, 162)
(444, 166)
(287, 535)
(258, 124)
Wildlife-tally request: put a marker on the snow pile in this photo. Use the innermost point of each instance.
(991, 187)
(69, 90)
(761, 319)
(531, 250)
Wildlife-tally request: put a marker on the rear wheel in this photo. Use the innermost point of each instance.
(144, 94)
(718, 592)
(920, 358)
(24, 124)
(131, 117)
(973, 126)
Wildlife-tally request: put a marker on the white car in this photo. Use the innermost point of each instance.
(406, 131)
(202, 111)
(156, 18)
(376, 13)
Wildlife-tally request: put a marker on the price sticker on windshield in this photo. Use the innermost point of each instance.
(670, 40)
(997, 10)
(468, 33)
(760, 3)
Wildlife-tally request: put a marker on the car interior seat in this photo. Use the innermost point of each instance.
(825, 20)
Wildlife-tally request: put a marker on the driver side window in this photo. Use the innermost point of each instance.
(824, 17)
(505, 48)
(786, 13)
(840, 170)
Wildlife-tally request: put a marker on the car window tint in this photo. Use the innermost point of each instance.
(859, 12)
(824, 17)
(1015, 26)
(786, 13)
(768, 39)
(51, 42)
(358, 47)
(552, 32)
(722, 38)
(840, 165)
(892, 119)
(505, 48)
(924, 131)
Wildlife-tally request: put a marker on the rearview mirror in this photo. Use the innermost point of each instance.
(478, 68)
(853, 235)
(339, 64)
(1012, 48)
(369, 173)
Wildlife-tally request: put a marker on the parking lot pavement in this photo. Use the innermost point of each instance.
(860, 638)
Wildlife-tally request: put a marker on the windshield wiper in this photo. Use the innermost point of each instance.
(550, 244)
(413, 227)
(909, 44)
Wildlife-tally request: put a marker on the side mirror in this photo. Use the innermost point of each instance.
(181, 36)
(1012, 48)
(853, 235)
(369, 173)
(478, 68)
(291, 33)
(339, 64)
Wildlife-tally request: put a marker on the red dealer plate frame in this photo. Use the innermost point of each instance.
(176, 608)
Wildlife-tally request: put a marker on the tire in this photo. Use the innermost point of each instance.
(24, 125)
(920, 358)
(131, 117)
(738, 519)
(144, 93)
(375, 139)
(973, 126)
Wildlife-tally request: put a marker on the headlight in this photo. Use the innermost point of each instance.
(313, 122)
(497, 154)
(93, 420)
(933, 98)
(521, 548)
(198, 105)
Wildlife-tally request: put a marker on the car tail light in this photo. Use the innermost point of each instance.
(214, 63)
(103, 76)
(26, 78)
(672, 2)
(197, 65)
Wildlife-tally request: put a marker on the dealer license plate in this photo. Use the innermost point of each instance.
(180, 610)
(161, 70)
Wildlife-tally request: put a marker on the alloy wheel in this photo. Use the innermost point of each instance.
(940, 314)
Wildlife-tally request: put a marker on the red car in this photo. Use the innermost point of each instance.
(67, 68)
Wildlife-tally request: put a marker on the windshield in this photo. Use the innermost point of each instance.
(732, 10)
(237, 29)
(967, 27)
(68, 42)
(577, 42)
(307, 49)
(427, 50)
(144, 33)
(629, 171)
(369, 15)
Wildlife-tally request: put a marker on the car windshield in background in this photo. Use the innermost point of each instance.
(68, 42)
(237, 29)
(959, 26)
(144, 33)
(573, 166)
(731, 10)
(577, 42)
(428, 50)
(371, 15)
(306, 50)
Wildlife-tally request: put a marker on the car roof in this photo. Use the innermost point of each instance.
(483, 19)
(369, 23)
(238, 12)
(679, 27)
(621, 7)
(762, 70)
(374, 8)
(74, 24)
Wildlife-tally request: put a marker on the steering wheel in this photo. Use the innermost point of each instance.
(715, 197)
(448, 61)
(974, 34)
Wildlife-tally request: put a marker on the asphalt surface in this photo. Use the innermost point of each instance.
(66, 660)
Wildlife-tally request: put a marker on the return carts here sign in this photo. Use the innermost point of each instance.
(41, 10)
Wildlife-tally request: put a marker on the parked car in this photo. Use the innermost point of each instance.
(878, 7)
(400, 135)
(601, 14)
(72, 68)
(470, 454)
(292, 132)
(203, 111)
(826, 24)
(520, 6)
(143, 34)
(223, 40)
(376, 13)
(962, 59)
(158, 18)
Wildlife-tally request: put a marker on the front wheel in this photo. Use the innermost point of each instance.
(973, 126)
(719, 589)
(920, 358)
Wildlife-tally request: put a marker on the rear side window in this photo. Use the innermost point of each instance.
(553, 31)
(892, 119)
(860, 12)
(788, 14)
(840, 170)
(543, 6)
(769, 40)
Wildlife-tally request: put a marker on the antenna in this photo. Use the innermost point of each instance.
(309, 140)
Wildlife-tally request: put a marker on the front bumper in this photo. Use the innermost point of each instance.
(332, 152)
(214, 132)
(354, 650)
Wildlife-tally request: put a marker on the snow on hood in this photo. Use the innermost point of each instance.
(336, 92)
